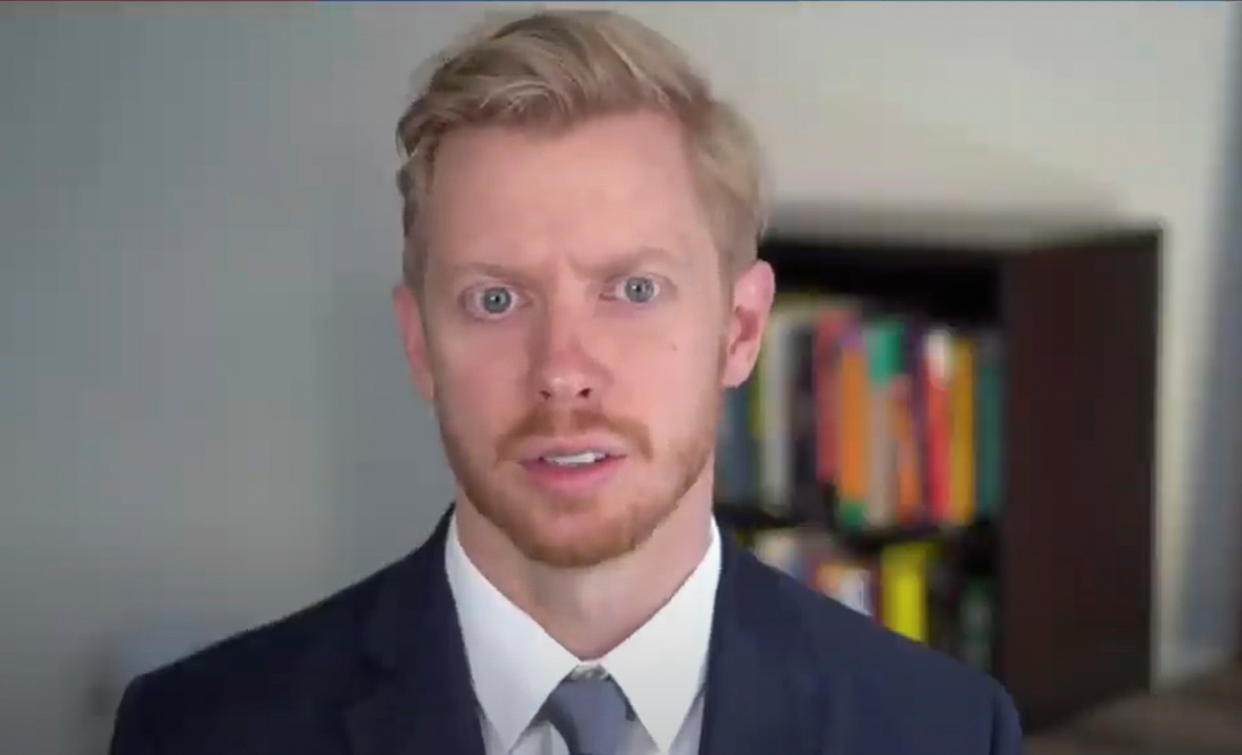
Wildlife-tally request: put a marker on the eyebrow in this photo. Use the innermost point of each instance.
(631, 260)
(609, 268)
(493, 270)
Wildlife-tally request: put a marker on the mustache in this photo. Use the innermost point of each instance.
(545, 422)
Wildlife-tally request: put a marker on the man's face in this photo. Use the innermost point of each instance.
(575, 331)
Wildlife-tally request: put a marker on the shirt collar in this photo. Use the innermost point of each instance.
(515, 664)
(662, 666)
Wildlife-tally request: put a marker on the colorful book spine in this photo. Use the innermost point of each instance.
(828, 331)
(962, 444)
(772, 433)
(937, 364)
(906, 447)
(774, 397)
(884, 338)
(904, 573)
(990, 441)
(853, 445)
(901, 417)
(915, 381)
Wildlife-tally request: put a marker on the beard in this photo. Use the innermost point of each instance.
(574, 531)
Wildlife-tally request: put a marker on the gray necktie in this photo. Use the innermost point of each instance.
(589, 713)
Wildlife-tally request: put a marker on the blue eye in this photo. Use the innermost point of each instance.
(490, 302)
(496, 300)
(638, 289)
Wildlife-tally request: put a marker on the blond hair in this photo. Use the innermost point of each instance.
(556, 68)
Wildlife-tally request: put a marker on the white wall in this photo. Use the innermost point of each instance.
(204, 410)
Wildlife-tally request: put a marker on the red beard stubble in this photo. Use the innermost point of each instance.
(527, 517)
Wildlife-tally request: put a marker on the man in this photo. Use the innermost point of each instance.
(580, 286)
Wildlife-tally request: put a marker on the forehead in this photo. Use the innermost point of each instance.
(611, 183)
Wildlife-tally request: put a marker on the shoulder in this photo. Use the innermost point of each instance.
(283, 672)
(893, 684)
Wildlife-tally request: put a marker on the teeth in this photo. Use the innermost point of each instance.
(574, 460)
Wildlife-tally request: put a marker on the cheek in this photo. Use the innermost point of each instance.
(670, 378)
(477, 379)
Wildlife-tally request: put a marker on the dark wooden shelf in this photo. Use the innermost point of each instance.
(752, 517)
(1075, 305)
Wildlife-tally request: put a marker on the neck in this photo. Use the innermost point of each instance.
(591, 610)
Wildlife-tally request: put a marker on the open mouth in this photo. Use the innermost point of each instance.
(581, 459)
(572, 472)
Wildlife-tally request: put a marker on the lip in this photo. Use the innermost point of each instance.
(535, 449)
(570, 481)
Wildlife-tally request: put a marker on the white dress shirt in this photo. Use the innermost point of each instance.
(515, 664)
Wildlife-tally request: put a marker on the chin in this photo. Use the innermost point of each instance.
(576, 533)
(580, 534)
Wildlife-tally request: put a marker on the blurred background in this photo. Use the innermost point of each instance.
(205, 417)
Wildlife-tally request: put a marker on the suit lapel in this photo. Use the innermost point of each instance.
(761, 696)
(423, 701)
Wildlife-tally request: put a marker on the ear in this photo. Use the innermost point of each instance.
(752, 302)
(413, 338)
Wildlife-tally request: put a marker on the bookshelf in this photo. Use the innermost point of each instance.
(1069, 549)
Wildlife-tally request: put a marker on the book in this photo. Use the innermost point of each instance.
(962, 442)
(774, 395)
(904, 572)
(915, 381)
(884, 337)
(899, 416)
(990, 444)
(937, 374)
(853, 444)
(828, 331)
(908, 453)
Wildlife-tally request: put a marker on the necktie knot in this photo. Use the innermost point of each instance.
(589, 713)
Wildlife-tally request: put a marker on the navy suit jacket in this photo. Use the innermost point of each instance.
(380, 669)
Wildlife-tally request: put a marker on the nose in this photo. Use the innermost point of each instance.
(563, 371)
